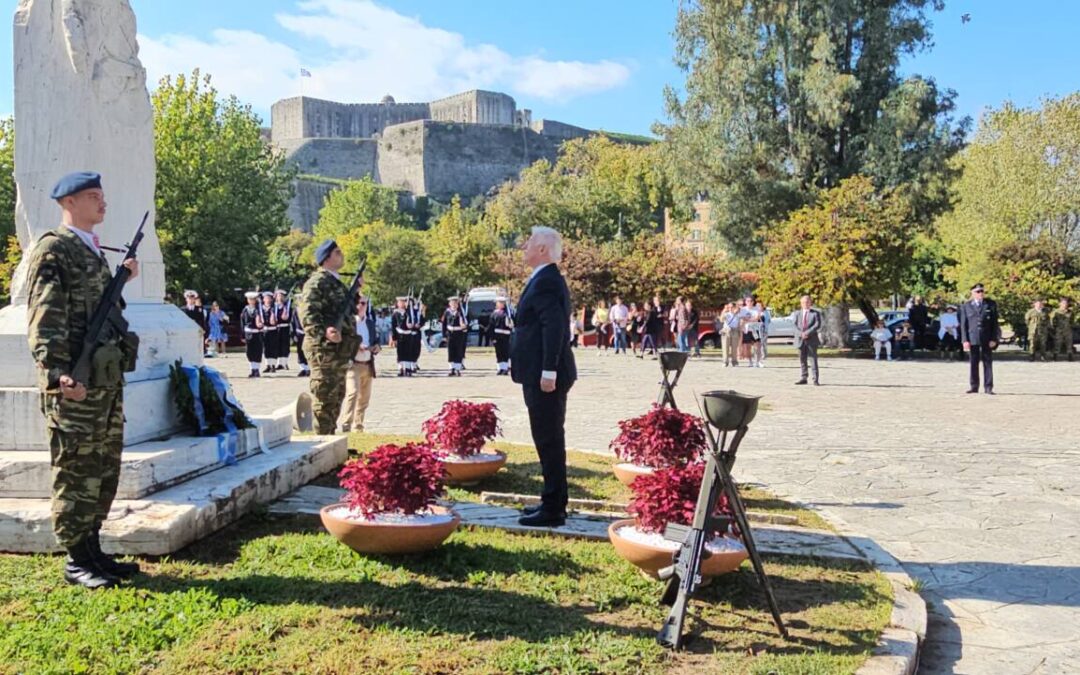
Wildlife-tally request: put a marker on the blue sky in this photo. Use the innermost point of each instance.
(595, 63)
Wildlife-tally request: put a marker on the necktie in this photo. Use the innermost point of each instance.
(804, 318)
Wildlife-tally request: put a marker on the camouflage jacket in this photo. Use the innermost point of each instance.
(1037, 321)
(65, 280)
(1061, 322)
(320, 308)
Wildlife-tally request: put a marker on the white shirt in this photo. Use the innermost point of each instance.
(363, 354)
(619, 312)
(87, 238)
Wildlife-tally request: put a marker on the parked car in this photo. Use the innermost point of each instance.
(859, 333)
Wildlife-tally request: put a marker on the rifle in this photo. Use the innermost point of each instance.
(350, 299)
(417, 308)
(107, 322)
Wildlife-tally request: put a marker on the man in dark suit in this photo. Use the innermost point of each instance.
(543, 364)
(807, 324)
(980, 333)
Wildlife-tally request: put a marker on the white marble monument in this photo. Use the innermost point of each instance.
(81, 104)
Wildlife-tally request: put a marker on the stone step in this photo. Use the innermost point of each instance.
(147, 467)
(171, 519)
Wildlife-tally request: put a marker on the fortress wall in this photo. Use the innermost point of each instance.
(308, 201)
(401, 157)
(470, 159)
(475, 107)
(559, 130)
(287, 120)
(344, 158)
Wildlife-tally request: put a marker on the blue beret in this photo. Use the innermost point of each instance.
(324, 250)
(76, 182)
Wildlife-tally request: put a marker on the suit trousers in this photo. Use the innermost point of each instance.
(808, 353)
(732, 341)
(357, 396)
(547, 420)
(984, 354)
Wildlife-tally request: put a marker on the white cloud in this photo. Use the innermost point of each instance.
(359, 51)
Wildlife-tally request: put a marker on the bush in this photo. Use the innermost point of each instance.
(662, 437)
(462, 427)
(393, 479)
(669, 495)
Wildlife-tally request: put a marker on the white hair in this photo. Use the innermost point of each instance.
(551, 239)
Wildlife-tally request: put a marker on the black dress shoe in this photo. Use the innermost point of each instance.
(972, 391)
(990, 391)
(268, 369)
(543, 518)
(529, 510)
(801, 382)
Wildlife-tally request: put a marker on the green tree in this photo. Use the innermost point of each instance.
(9, 245)
(598, 189)
(358, 203)
(222, 192)
(1016, 221)
(398, 259)
(289, 259)
(783, 99)
(852, 245)
(463, 246)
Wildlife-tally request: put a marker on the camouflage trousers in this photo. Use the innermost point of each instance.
(328, 371)
(1037, 344)
(1062, 347)
(85, 441)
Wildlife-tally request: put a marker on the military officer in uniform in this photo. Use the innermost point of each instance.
(252, 322)
(456, 329)
(84, 421)
(500, 326)
(329, 319)
(980, 333)
(1061, 328)
(270, 335)
(283, 315)
(1038, 326)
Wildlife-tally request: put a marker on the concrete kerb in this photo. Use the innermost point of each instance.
(900, 644)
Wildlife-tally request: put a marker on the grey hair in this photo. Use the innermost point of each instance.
(551, 239)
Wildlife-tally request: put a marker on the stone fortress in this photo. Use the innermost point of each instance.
(464, 144)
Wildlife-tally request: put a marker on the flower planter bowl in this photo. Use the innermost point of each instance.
(651, 559)
(467, 473)
(627, 472)
(366, 536)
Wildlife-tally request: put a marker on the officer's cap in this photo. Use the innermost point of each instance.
(403, 298)
(279, 290)
(251, 295)
(501, 299)
(324, 250)
(977, 287)
(76, 182)
(190, 294)
(268, 294)
(454, 298)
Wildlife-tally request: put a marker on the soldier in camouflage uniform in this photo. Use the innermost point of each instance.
(84, 421)
(1061, 329)
(1038, 326)
(329, 322)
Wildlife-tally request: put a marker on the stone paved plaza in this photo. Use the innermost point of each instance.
(976, 495)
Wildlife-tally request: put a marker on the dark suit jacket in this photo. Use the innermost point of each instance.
(979, 325)
(541, 339)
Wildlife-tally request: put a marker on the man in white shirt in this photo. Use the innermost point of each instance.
(619, 316)
(361, 372)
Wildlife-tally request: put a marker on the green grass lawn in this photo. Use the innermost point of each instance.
(279, 595)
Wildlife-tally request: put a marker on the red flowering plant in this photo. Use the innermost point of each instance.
(662, 437)
(670, 495)
(392, 478)
(462, 428)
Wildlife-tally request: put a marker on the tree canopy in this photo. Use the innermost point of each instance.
(787, 98)
(358, 203)
(1016, 222)
(222, 192)
(9, 245)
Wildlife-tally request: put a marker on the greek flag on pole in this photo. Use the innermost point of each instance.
(304, 72)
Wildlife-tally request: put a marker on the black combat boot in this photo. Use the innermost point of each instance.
(80, 569)
(121, 570)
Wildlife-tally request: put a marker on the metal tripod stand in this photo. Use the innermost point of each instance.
(671, 367)
(727, 411)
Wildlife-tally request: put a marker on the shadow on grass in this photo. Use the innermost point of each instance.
(526, 478)
(458, 561)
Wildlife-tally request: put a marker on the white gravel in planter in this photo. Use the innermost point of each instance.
(636, 468)
(720, 544)
(479, 457)
(345, 513)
